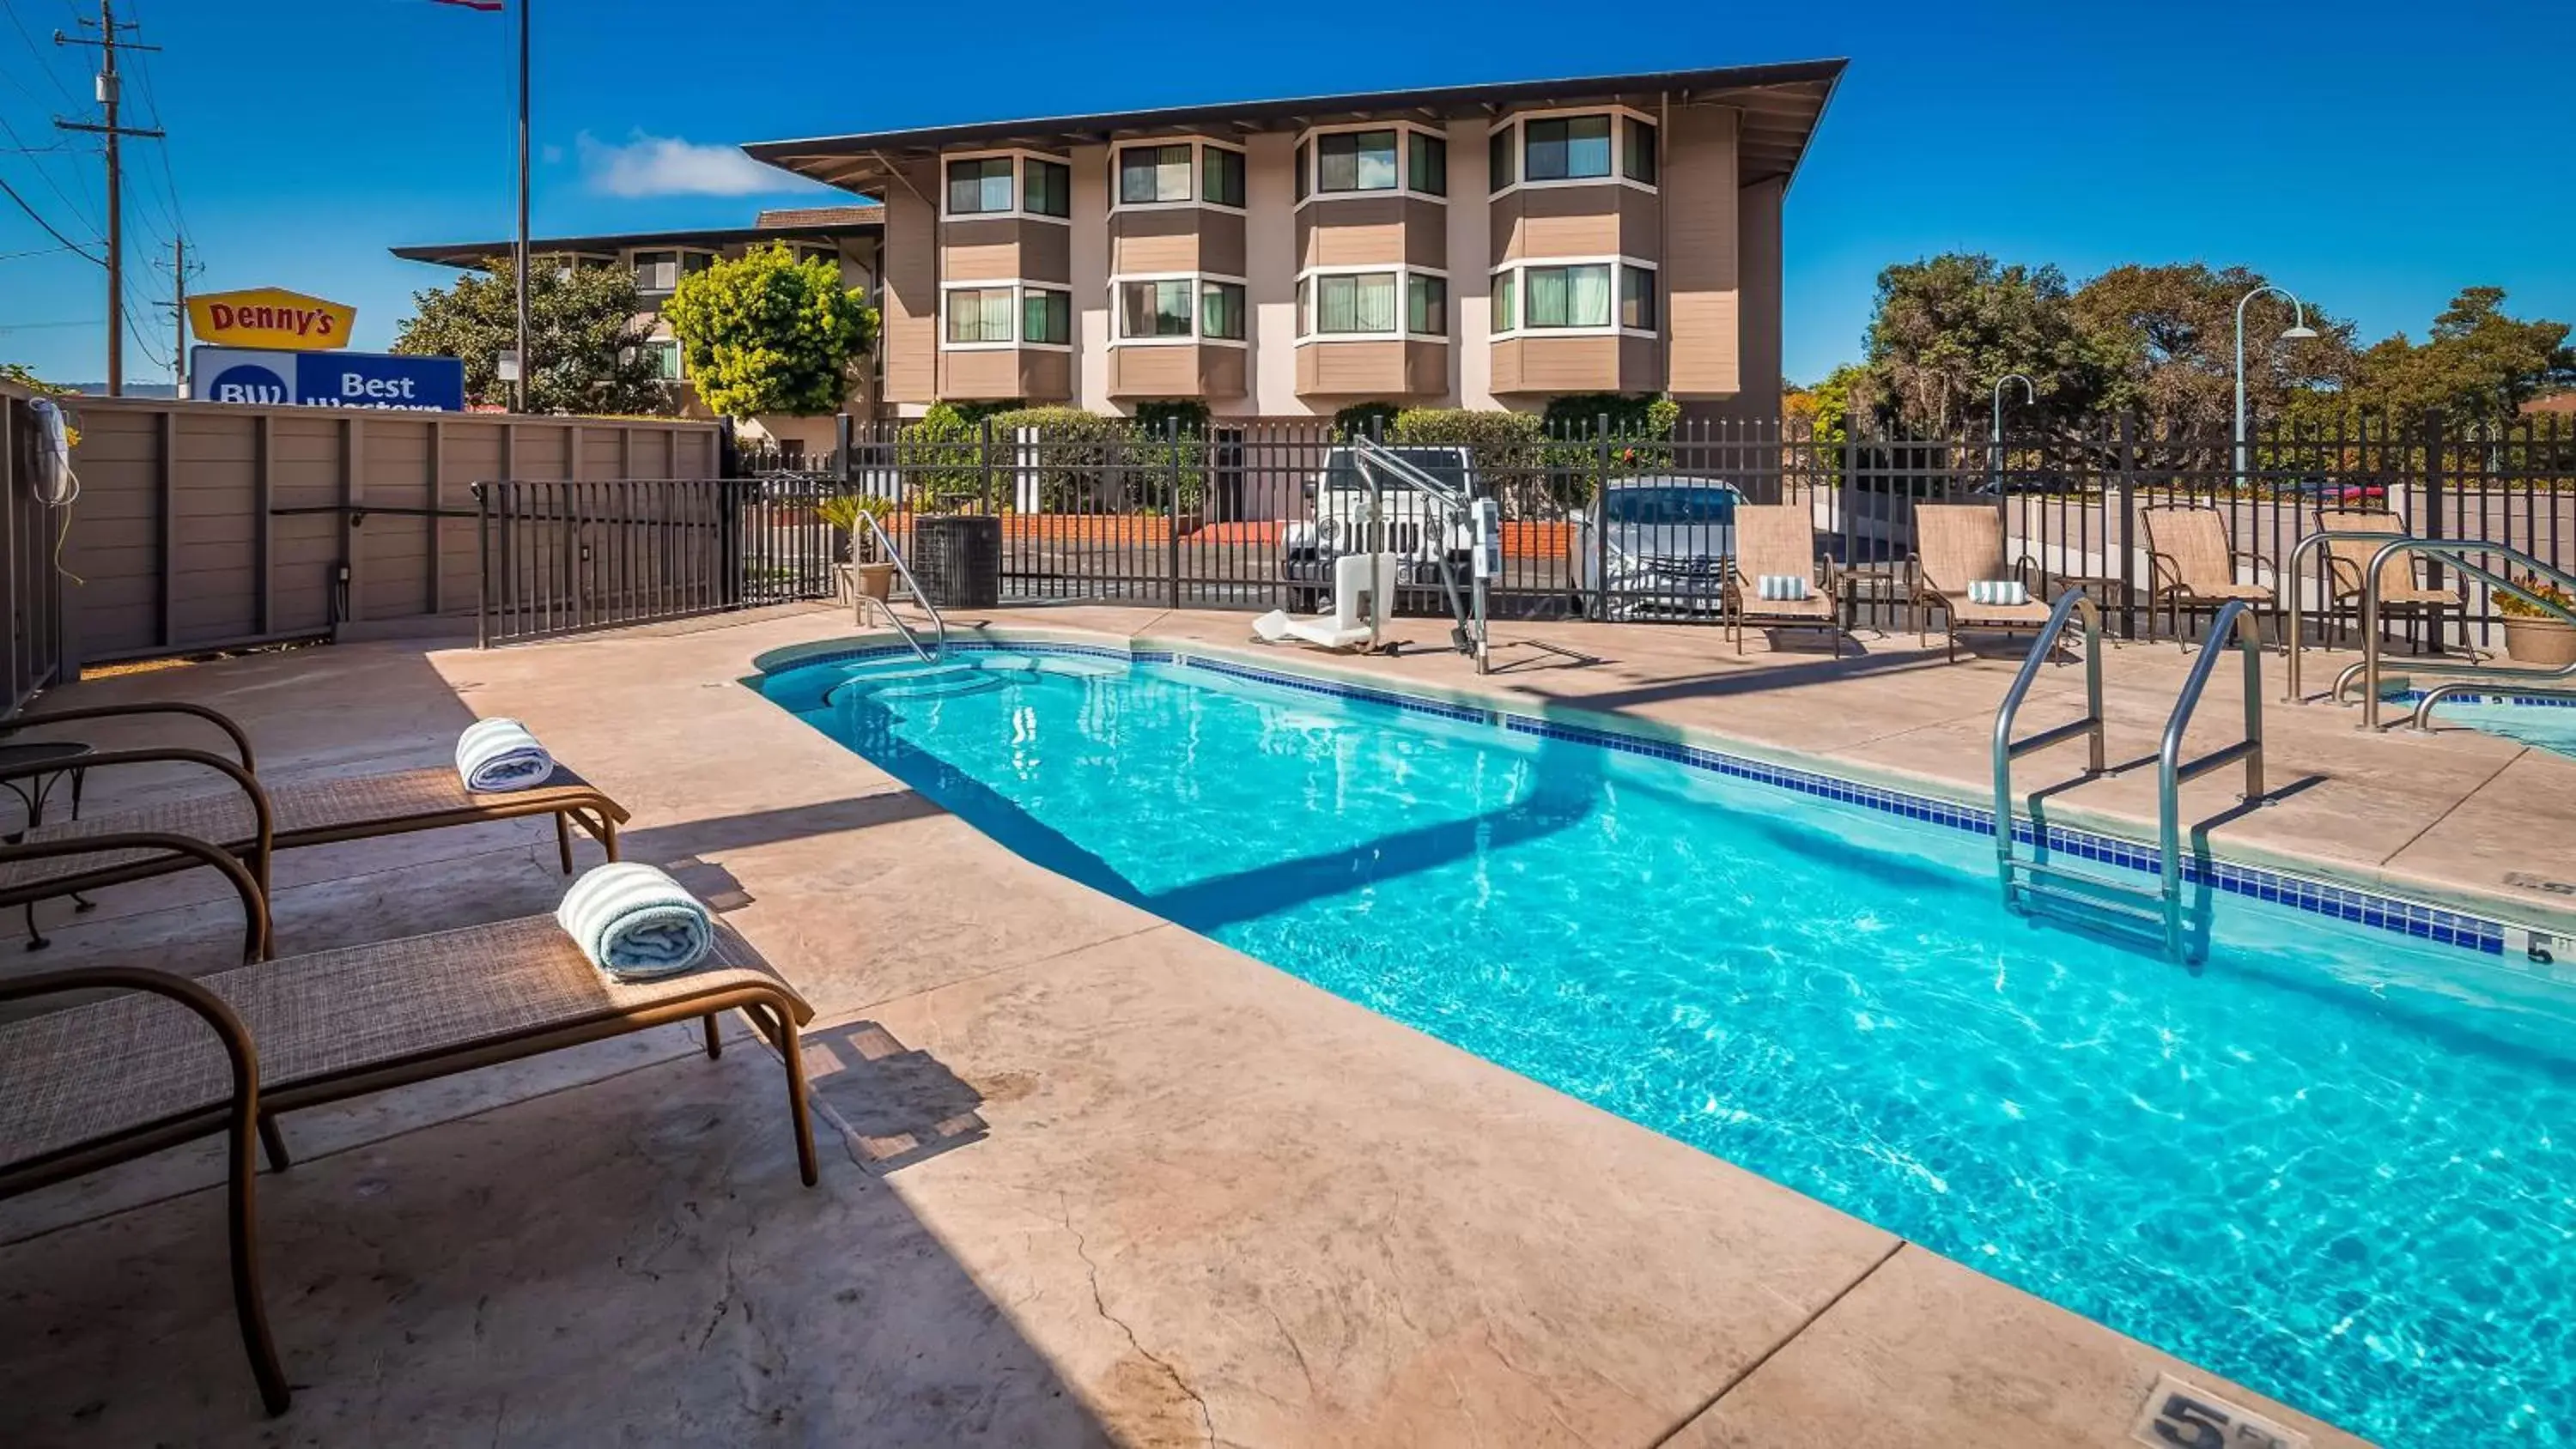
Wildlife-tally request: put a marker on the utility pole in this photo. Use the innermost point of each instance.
(519, 391)
(179, 317)
(109, 100)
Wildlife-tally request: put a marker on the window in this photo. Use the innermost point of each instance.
(657, 271)
(1499, 157)
(1565, 148)
(1046, 316)
(1153, 173)
(1426, 305)
(979, 185)
(979, 314)
(665, 357)
(1355, 302)
(1426, 163)
(1221, 175)
(1575, 296)
(1638, 160)
(828, 256)
(1221, 310)
(1304, 294)
(1154, 309)
(1301, 171)
(692, 263)
(1506, 301)
(1355, 161)
(1637, 298)
(1048, 187)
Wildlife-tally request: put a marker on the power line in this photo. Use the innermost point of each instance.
(19, 143)
(37, 252)
(42, 67)
(38, 218)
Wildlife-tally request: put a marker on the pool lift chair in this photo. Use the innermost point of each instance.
(1365, 583)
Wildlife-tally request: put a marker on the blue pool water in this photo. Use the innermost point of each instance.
(2336, 1164)
(2547, 724)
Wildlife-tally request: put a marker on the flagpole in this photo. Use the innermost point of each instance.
(519, 393)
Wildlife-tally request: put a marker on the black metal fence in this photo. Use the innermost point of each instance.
(1596, 523)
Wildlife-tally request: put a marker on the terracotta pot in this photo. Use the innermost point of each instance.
(876, 581)
(2547, 643)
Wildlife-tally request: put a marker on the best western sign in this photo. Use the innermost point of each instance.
(328, 379)
(270, 317)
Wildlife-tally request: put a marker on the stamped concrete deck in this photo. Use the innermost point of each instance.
(1091, 1179)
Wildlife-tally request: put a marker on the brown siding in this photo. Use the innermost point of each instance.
(910, 291)
(1578, 221)
(1177, 372)
(1046, 376)
(1558, 364)
(1155, 241)
(995, 374)
(1225, 371)
(1641, 364)
(1372, 369)
(1366, 229)
(1702, 305)
(1221, 242)
(1426, 368)
(1005, 247)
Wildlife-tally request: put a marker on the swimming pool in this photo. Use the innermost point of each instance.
(2337, 1163)
(2541, 721)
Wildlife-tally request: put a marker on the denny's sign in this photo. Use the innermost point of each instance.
(271, 318)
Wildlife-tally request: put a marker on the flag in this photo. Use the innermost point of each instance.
(488, 7)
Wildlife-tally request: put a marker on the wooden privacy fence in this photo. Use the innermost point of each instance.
(214, 525)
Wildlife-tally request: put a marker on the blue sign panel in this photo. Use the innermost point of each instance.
(328, 379)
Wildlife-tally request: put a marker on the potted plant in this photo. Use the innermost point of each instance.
(858, 545)
(2533, 635)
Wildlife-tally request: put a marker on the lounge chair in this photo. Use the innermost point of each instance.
(1778, 540)
(1956, 545)
(113, 1078)
(255, 818)
(2192, 565)
(2401, 590)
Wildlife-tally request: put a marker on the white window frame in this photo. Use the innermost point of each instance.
(679, 354)
(1618, 170)
(1520, 297)
(1020, 156)
(1403, 161)
(1199, 147)
(679, 267)
(1404, 274)
(1020, 289)
(1198, 317)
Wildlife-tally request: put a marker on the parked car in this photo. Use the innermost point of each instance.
(2040, 480)
(2336, 490)
(1338, 501)
(1668, 542)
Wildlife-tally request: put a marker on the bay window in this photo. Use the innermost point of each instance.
(1046, 315)
(1355, 303)
(1426, 163)
(1153, 173)
(1565, 148)
(1154, 309)
(979, 184)
(1568, 296)
(1048, 187)
(1221, 310)
(1301, 171)
(1426, 305)
(1221, 175)
(1355, 161)
(1499, 156)
(1637, 297)
(979, 314)
(1638, 161)
(1506, 299)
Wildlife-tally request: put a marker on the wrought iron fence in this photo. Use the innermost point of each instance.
(1596, 523)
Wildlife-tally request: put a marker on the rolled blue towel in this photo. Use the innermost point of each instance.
(635, 923)
(500, 754)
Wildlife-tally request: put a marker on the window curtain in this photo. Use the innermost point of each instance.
(1589, 297)
(995, 304)
(1569, 296)
(1376, 303)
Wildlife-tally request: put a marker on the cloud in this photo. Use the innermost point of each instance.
(550, 153)
(668, 166)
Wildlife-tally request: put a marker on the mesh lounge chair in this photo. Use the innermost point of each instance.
(254, 818)
(118, 1077)
(2192, 565)
(1779, 540)
(1957, 544)
(2401, 591)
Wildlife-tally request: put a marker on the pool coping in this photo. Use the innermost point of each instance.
(2378, 898)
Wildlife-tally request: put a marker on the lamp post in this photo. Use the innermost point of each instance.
(2299, 329)
(1995, 428)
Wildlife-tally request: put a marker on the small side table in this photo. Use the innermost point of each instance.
(69, 759)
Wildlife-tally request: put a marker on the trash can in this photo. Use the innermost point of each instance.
(957, 557)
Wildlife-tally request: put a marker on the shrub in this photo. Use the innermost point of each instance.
(1641, 430)
(943, 457)
(1084, 460)
(1365, 419)
(1511, 448)
(1186, 416)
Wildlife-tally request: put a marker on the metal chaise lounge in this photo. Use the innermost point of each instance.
(255, 818)
(1778, 540)
(2191, 564)
(167, 1059)
(1958, 544)
(2401, 590)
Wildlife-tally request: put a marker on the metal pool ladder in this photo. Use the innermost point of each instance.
(2030, 884)
(939, 638)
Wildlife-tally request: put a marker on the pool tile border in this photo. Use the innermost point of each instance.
(2369, 909)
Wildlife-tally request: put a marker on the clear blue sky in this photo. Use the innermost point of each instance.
(2372, 155)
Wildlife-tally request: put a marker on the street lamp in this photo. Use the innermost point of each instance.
(2299, 329)
(1995, 429)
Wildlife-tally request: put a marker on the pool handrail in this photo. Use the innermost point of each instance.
(2456, 552)
(885, 547)
(2234, 623)
(2288, 576)
(1458, 508)
(2073, 603)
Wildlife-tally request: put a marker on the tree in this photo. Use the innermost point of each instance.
(766, 333)
(2478, 366)
(1948, 327)
(583, 325)
(2165, 339)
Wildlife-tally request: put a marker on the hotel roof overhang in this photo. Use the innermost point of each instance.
(472, 255)
(1780, 104)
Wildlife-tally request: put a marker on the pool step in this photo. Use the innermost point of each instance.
(2089, 892)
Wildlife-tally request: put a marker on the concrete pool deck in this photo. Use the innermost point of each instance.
(1089, 1178)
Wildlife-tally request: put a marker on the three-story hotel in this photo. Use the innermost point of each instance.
(1474, 246)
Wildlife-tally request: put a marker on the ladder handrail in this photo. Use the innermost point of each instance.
(1458, 510)
(2457, 551)
(2233, 623)
(885, 547)
(2007, 749)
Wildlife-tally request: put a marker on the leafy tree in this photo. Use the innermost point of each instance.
(582, 325)
(1946, 328)
(767, 333)
(2164, 339)
(2478, 366)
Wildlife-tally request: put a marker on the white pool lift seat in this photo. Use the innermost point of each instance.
(1363, 597)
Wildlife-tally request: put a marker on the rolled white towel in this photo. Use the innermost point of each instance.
(1782, 588)
(499, 754)
(635, 923)
(1997, 591)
